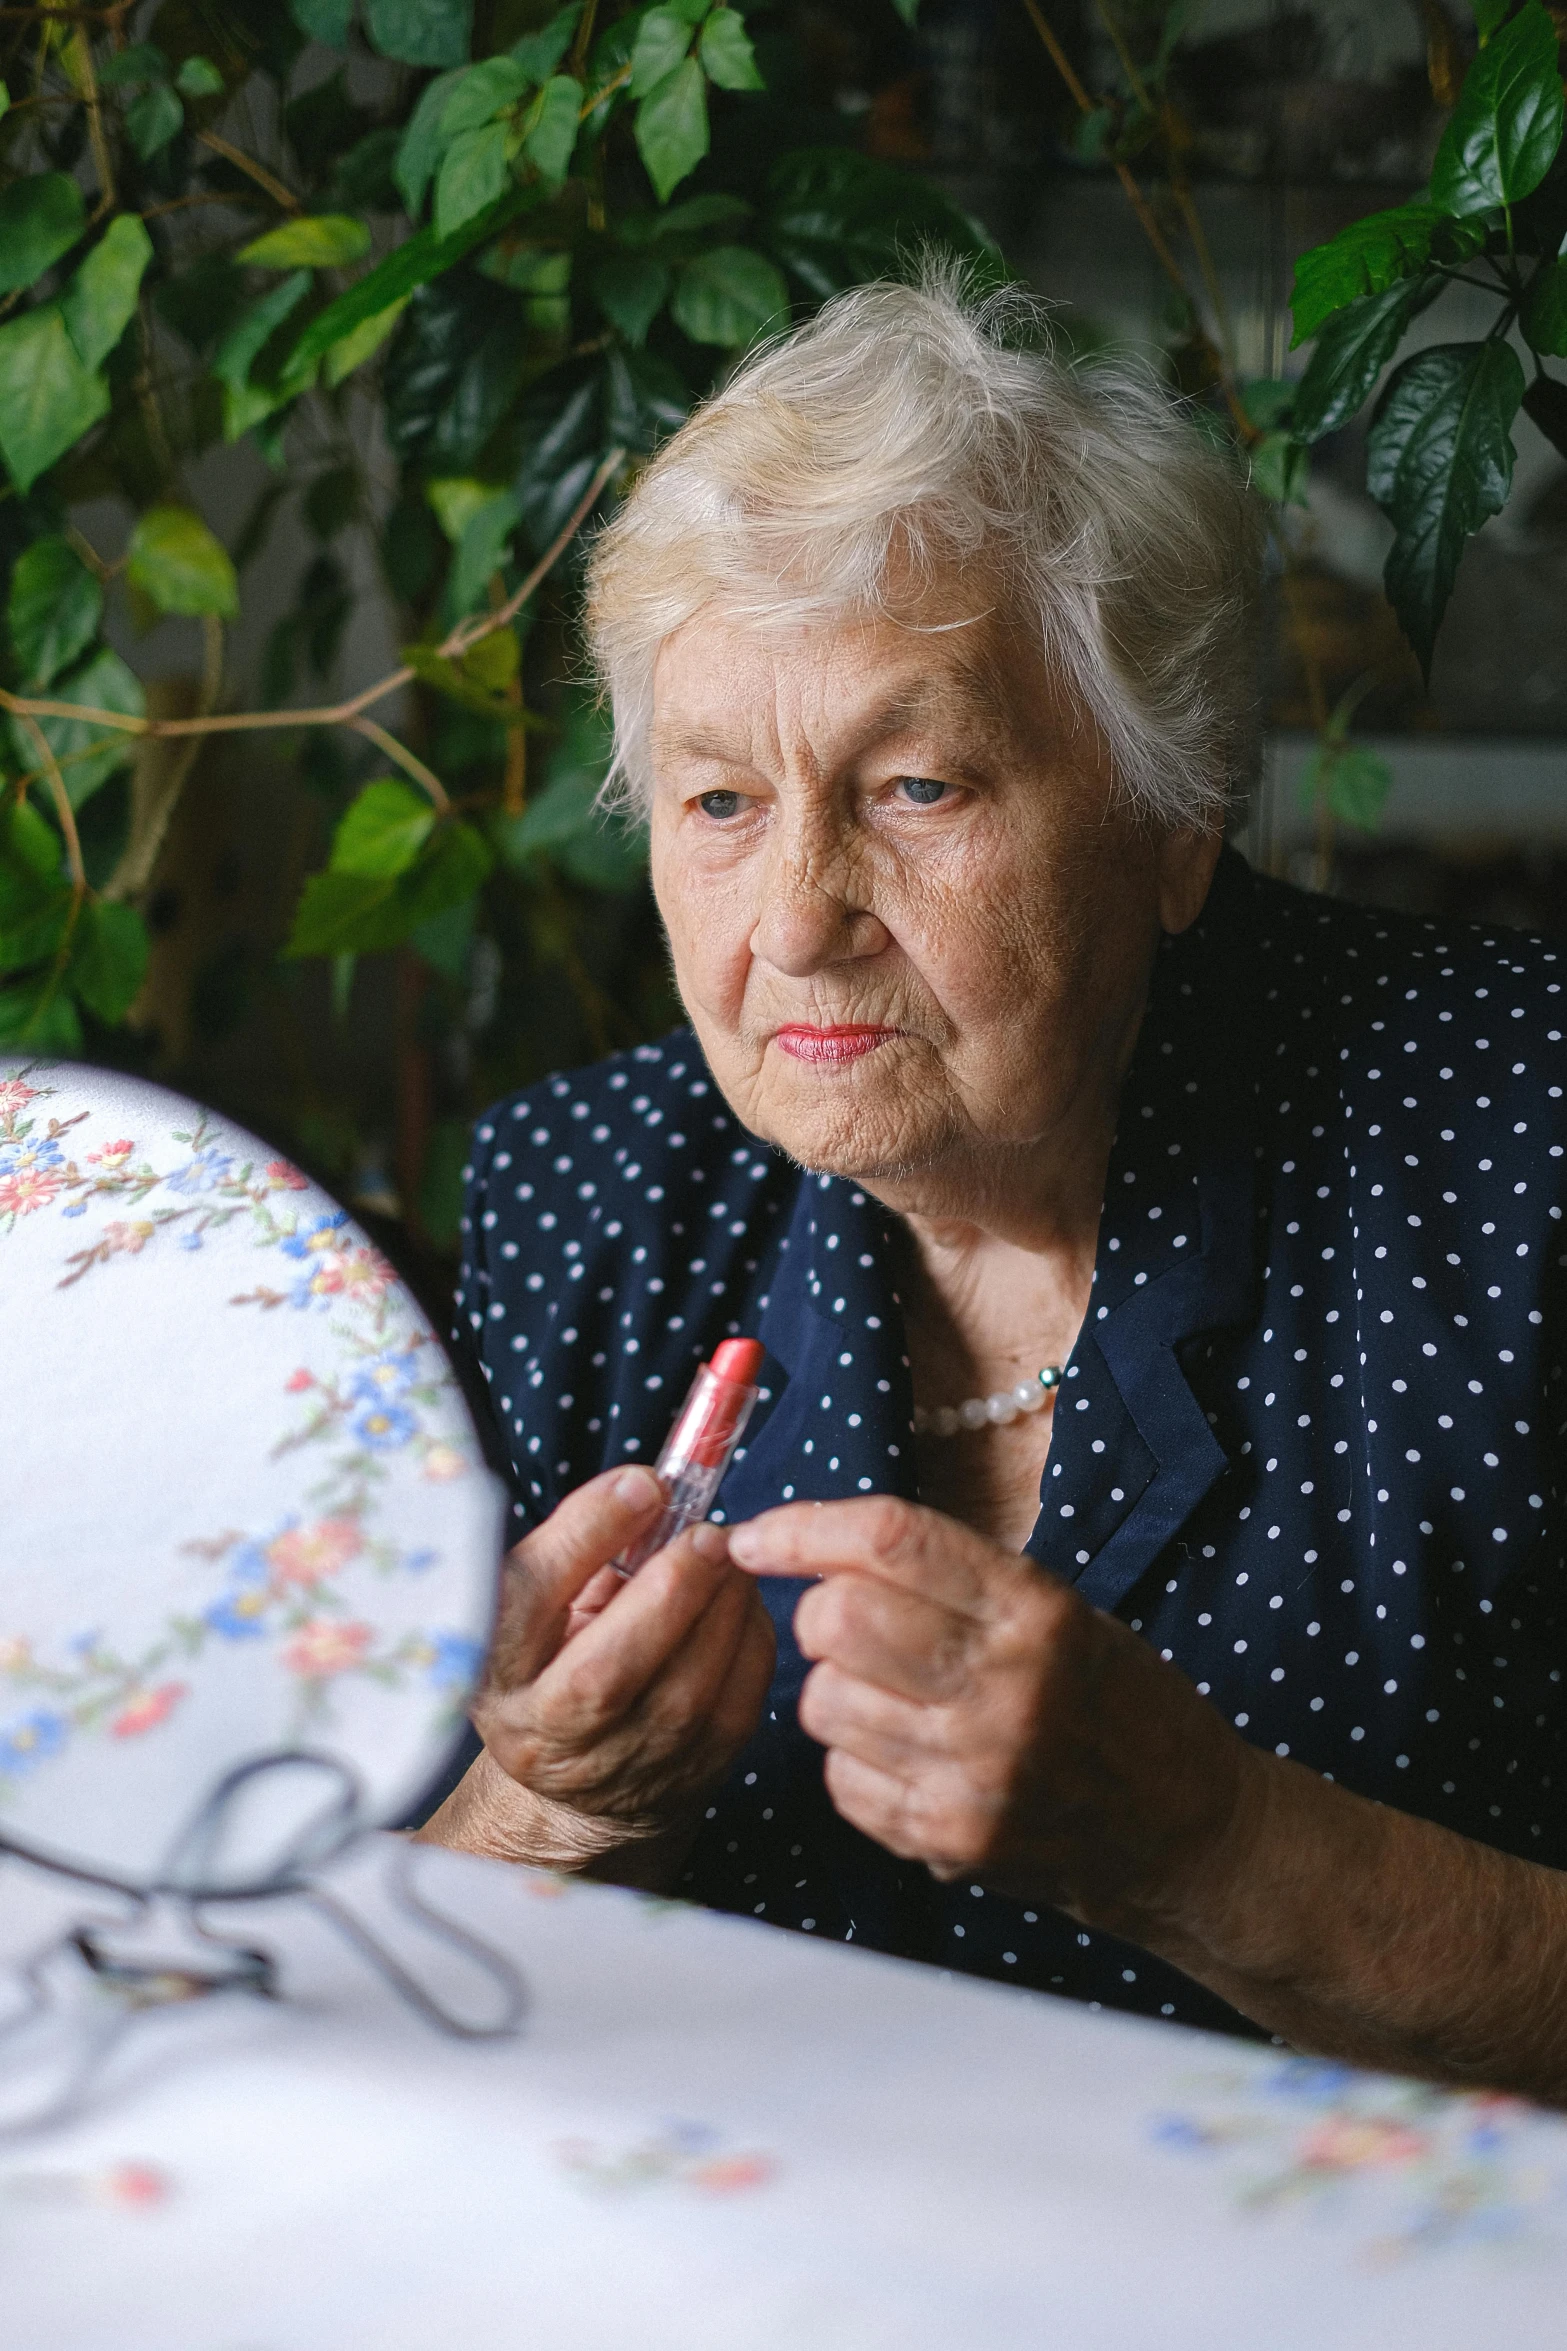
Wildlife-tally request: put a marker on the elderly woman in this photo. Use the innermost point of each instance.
(1154, 1504)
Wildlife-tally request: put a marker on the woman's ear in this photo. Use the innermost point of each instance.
(1185, 870)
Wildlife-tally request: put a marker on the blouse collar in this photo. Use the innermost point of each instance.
(1132, 1454)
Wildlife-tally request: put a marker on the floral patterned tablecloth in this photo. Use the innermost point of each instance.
(712, 2134)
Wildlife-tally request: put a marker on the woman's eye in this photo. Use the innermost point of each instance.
(720, 804)
(923, 791)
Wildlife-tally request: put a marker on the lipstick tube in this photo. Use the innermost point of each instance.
(700, 1446)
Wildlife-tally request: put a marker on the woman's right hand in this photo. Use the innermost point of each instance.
(609, 1707)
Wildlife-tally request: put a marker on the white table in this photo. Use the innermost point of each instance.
(713, 2136)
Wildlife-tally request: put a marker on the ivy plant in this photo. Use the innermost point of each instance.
(508, 263)
(1440, 434)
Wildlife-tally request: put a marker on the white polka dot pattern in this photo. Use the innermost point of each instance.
(1308, 1443)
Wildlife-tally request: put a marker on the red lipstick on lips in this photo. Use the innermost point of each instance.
(847, 1043)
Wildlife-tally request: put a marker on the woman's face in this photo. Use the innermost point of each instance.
(909, 926)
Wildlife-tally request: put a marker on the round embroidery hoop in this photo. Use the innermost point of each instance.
(242, 1507)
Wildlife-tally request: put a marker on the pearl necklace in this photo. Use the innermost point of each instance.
(995, 1411)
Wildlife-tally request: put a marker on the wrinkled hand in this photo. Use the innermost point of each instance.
(609, 1707)
(979, 1717)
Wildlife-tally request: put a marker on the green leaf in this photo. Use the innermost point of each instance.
(109, 949)
(481, 551)
(474, 171)
(663, 37)
(455, 499)
(1351, 352)
(382, 831)
(1366, 258)
(1349, 780)
(133, 67)
(88, 754)
(420, 32)
(1545, 404)
(153, 119)
(467, 682)
(1545, 312)
(729, 296)
(423, 143)
(839, 219)
(482, 93)
(1279, 469)
(1267, 401)
(345, 913)
(361, 342)
(47, 398)
(245, 404)
(31, 865)
(198, 77)
(100, 301)
(53, 609)
(631, 289)
(40, 218)
(726, 52)
(1488, 14)
(671, 128)
(1439, 461)
(552, 132)
(320, 240)
(539, 53)
(178, 564)
(324, 20)
(1507, 125)
(39, 1015)
(692, 223)
(601, 850)
(908, 10)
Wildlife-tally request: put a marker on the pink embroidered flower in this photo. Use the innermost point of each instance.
(148, 1709)
(366, 1274)
(443, 1463)
(298, 1381)
(727, 2173)
(322, 1647)
(15, 1655)
(1352, 2142)
(304, 1555)
(14, 1093)
(136, 2183)
(127, 1239)
(284, 1178)
(112, 1155)
(29, 1188)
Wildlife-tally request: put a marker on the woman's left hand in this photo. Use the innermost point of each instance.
(980, 1717)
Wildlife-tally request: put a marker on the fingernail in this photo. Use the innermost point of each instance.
(710, 1542)
(744, 1546)
(635, 1485)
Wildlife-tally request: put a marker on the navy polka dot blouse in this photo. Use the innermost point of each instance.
(1309, 1443)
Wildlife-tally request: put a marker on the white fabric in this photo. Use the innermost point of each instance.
(712, 2134)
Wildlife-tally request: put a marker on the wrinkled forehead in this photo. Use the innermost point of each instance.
(723, 678)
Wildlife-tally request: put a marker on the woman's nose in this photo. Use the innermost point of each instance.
(808, 918)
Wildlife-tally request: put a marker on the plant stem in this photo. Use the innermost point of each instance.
(62, 806)
(253, 170)
(337, 714)
(405, 759)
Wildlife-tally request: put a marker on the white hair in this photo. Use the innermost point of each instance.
(910, 431)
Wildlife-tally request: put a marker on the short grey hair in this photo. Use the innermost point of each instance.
(912, 429)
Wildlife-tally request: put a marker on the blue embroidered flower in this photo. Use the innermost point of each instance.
(238, 1616)
(315, 1236)
(75, 1208)
(455, 1661)
(384, 1427)
(32, 1740)
(384, 1377)
(190, 1240)
(26, 1158)
(204, 1172)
